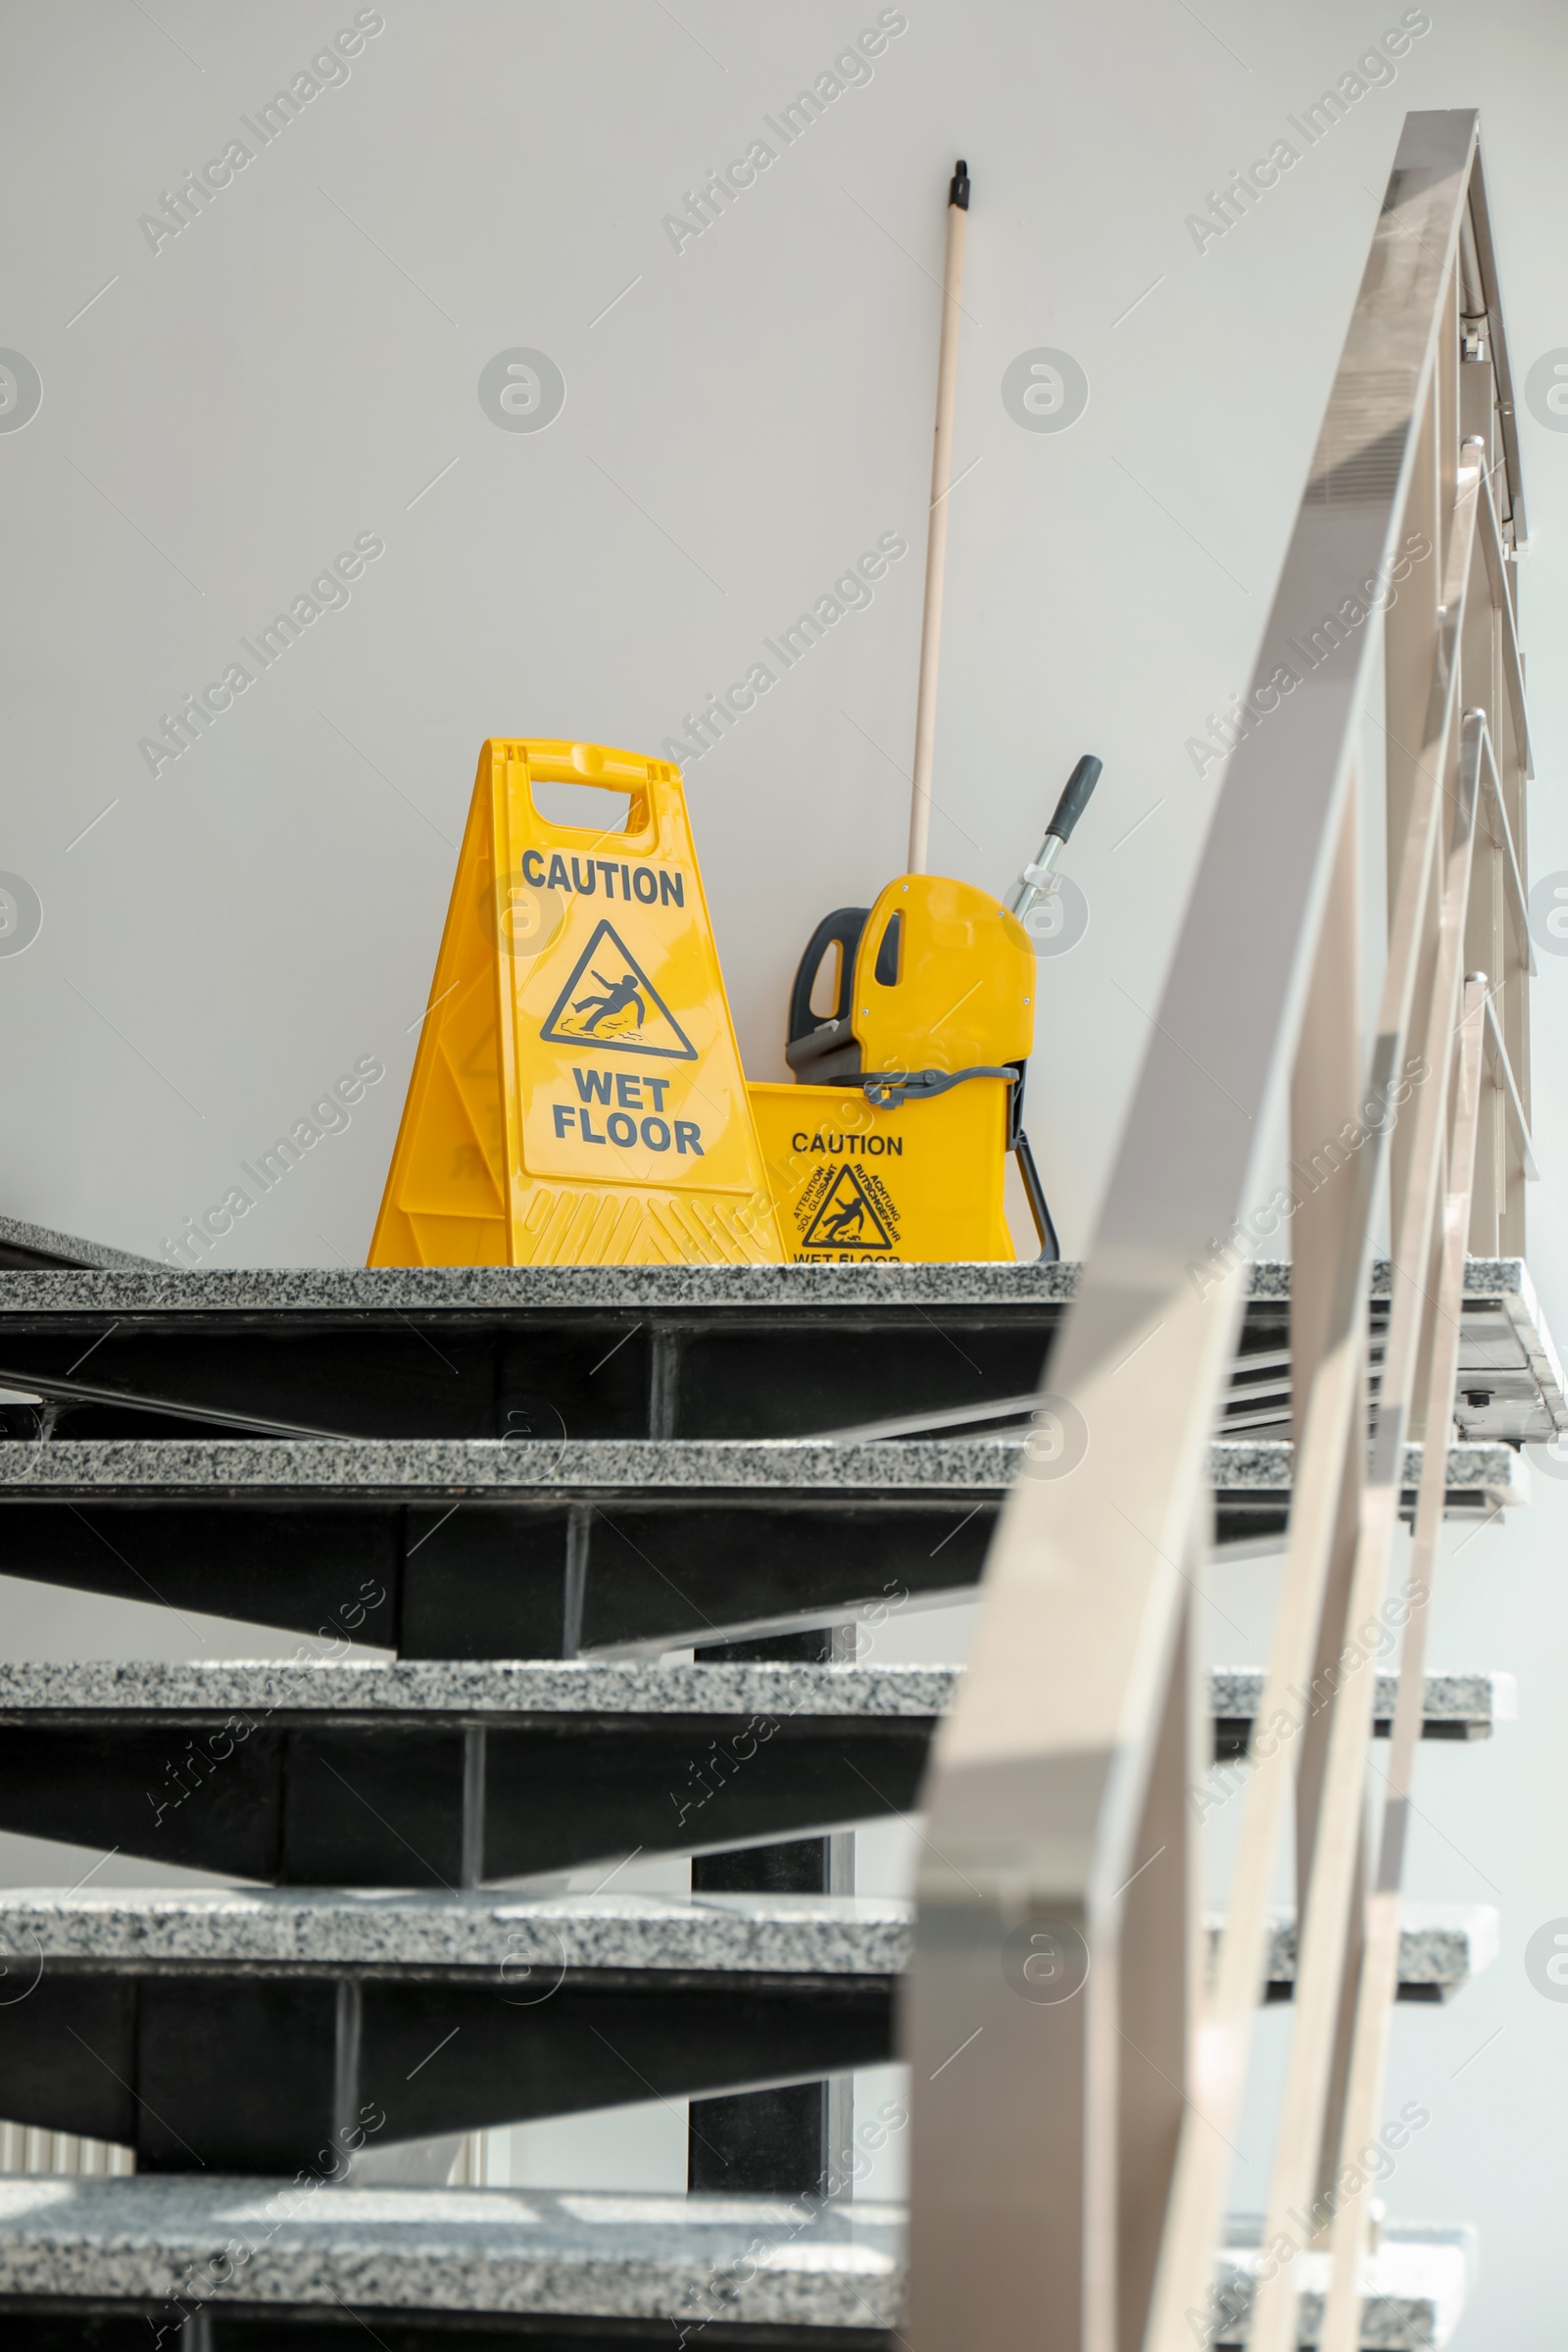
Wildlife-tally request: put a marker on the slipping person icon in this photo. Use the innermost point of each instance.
(608, 1001)
(620, 996)
(846, 1222)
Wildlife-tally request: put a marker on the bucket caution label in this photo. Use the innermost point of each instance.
(845, 1210)
(611, 1004)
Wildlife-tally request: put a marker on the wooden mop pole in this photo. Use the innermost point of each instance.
(936, 545)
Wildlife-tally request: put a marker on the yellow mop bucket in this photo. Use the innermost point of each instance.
(917, 1181)
(578, 1097)
(904, 1155)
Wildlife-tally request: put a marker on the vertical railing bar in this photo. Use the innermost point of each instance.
(1322, 1933)
(1161, 1966)
(1325, 1092)
(1504, 1069)
(1521, 897)
(1380, 1969)
(1185, 2275)
(1513, 661)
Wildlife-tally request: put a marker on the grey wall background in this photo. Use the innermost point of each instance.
(300, 365)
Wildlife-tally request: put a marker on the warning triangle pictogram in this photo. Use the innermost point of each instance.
(610, 1001)
(847, 1219)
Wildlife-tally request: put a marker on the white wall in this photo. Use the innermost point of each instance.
(299, 364)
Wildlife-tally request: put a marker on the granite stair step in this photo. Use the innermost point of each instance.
(1442, 1947)
(532, 1548)
(1454, 1706)
(38, 1248)
(252, 2023)
(429, 1774)
(424, 2269)
(605, 1351)
(237, 2030)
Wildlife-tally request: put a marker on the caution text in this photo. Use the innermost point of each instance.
(641, 882)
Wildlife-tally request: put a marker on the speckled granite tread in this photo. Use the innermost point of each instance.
(811, 1934)
(391, 1290)
(1443, 1944)
(131, 1283)
(596, 1687)
(987, 1464)
(1242, 1465)
(1417, 2282)
(71, 1249)
(746, 2260)
(1476, 1700)
(816, 1934)
(452, 1465)
(600, 1686)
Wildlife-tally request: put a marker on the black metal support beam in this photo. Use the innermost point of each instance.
(769, 2141)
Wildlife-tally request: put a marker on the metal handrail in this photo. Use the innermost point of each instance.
(1077, 2083)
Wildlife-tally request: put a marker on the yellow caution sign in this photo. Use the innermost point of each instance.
(577, 1097)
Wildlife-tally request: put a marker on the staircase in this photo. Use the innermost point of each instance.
(622, 1545)
(285, 1448)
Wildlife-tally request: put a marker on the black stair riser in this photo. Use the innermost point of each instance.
(313, 1802)
(615, 1374)
(402, 1801)
(532, 1575)
(48, 2324)
(1233, 1732)
(249, 2069)
(232, 2067)
(536, 1576)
